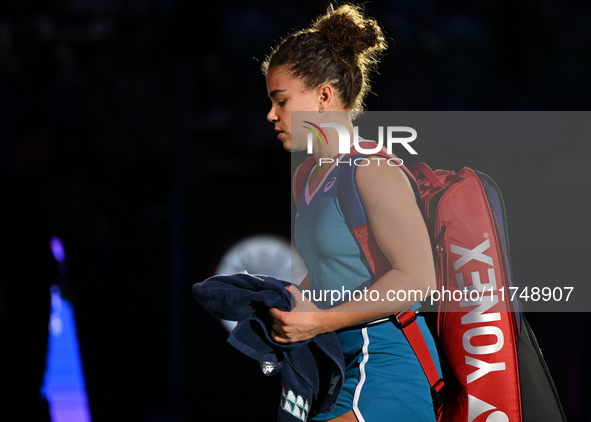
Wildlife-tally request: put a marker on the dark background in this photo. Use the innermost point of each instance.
(136, 131)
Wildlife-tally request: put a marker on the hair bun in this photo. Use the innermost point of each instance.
(346, 28)
(342, 48)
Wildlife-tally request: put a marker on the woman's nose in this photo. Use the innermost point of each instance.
(271, 116)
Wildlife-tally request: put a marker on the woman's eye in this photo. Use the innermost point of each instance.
(281, 103)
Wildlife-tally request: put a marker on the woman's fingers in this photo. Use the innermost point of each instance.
(282, 328)
(298, 325)
(277, 327)
(278, 338)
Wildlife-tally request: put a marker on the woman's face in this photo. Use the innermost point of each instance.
(288, 94)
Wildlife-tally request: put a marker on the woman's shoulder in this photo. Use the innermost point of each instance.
(379, 177)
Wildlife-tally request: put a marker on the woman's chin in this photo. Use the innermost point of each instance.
(293, 147)
(287, 145)
(296, 147)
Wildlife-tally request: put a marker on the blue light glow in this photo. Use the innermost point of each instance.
(63, 385)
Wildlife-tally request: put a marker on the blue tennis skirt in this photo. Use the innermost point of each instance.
(384, 380)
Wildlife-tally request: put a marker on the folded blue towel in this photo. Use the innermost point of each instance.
(313, 370)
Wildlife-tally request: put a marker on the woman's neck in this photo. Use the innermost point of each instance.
(330, 148)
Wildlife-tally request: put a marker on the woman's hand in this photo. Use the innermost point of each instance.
(302, 323)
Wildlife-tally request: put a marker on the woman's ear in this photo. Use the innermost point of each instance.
(326, 97)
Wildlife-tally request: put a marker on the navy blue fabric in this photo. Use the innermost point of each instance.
(313, 369)
(349, 200)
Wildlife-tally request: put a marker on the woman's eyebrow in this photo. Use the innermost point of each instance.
(273, 94)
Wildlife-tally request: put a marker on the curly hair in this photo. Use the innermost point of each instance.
(342, 47)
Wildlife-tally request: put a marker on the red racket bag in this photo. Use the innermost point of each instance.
(495, 369)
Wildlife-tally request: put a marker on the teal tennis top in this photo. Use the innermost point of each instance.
(383, 379)
(333, 257)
